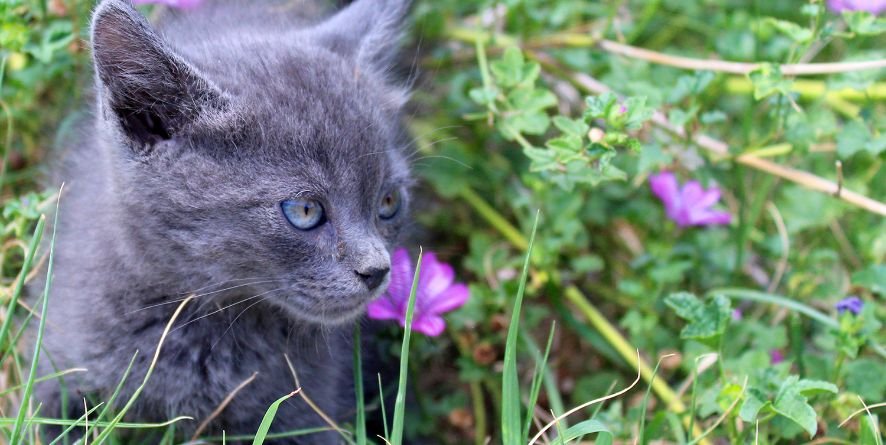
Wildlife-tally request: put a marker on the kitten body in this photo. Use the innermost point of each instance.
(202, 128)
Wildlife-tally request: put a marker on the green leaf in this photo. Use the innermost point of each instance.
(707, 322)
(637, 112)
(809, 387)
(511, 428)
(767, 80)
(864, 23)
(360, 420)
(690, 85)
(796, 32)
(400, 400)
(599, 106)
(268, 418)
(856, 137)
(571, 127)
(872, 277)
(791, 401)
(541, 159)
(590, 426)
(524, 99)
(754, 403)
(865, 378)
(483, 96)
(533, 122)
(508, 71)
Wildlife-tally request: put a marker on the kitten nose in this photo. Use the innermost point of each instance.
(373, 276)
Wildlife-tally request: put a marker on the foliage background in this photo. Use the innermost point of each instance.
(493, 145)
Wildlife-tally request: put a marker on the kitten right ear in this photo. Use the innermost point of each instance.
(144, 86)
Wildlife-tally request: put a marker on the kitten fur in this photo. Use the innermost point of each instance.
(204, 123)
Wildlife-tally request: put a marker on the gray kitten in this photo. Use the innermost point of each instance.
(252, 156)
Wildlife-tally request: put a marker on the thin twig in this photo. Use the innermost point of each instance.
(344, 433)
(723, 66)
(866, 408)
(221, 406)
(578, 40)
(720, 420)
(587, 404)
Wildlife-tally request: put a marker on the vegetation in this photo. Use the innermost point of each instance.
(618, 134)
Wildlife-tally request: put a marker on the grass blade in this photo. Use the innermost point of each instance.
(400, 401)
(266, 421)
(590, 426)
(18, 429)
(74, 425)
(540, 370)
(117, 390)
(643, 438)
(20, 283)
(511, 426)
(360, 426)
(384, 416)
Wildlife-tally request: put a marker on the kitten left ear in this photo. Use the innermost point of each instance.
(368, 30)
(144, 85)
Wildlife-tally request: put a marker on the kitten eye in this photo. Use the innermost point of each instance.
(303, 214)
(390, 204)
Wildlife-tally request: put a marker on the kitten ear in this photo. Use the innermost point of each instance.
(368, 30)
(144, 86)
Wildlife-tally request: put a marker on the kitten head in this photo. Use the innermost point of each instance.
(271, 160)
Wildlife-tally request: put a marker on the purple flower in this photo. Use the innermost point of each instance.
(435, 295)
(737, 315)
(852, 304)
(776, 356)
(872, 6)
(181, 4)
(690, 205)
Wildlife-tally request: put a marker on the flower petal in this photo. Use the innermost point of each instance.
(435, 277)
(708, 217)
(401, 278)
(430, 325)
(452, 298)
(664, 186)
(691, 194)
(709, 197)
(383, 309)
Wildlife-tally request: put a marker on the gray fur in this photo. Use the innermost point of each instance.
(203, 126)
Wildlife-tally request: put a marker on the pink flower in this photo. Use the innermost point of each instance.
(872, 6)
(690, 205)
(776, 356)
(181, 4)
(435, 295)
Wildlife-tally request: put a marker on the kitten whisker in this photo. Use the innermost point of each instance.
(230, 325)
(223, 282)
(225, 307)
(448, 158)
(177, 300)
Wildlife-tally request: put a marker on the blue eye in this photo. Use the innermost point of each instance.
(389, 205)
(303, 214)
